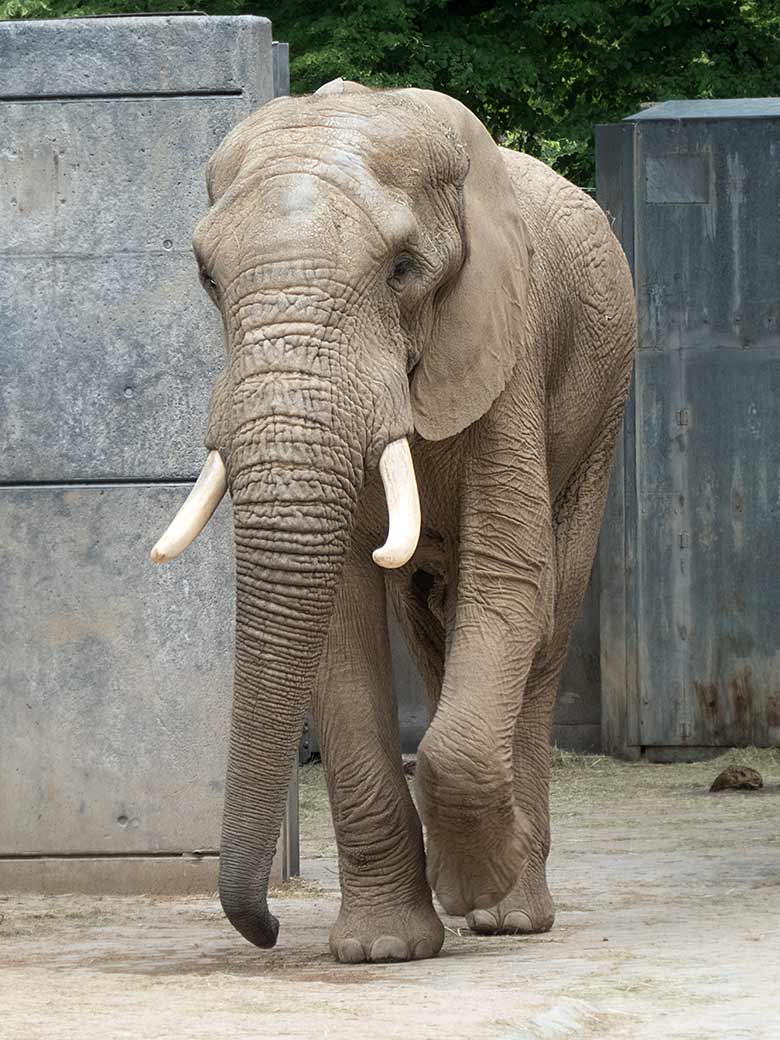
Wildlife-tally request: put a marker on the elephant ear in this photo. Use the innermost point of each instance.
(478, 325)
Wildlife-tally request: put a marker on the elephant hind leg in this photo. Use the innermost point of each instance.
(529, 907)
(422, 629)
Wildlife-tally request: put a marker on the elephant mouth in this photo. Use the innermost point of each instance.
(403, 508)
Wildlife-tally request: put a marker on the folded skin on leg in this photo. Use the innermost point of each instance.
(478, 838)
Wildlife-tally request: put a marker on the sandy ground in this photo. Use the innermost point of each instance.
(668, 926)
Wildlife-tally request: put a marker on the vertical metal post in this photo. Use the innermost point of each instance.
(281, 67)
(287, 862)
(292, 838)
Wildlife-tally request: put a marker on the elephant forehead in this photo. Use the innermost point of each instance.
(381, 136)
(333, 205)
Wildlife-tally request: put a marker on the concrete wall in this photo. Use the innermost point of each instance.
(115, 675)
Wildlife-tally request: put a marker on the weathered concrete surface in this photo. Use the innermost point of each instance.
(126, 383)
(121, 875)
(668, 929)
(163, 54)
(110, 344)
(116, 674)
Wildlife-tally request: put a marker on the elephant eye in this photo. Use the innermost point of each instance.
(403, 266)
(208, 283)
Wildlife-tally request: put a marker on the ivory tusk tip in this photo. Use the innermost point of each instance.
(193, 516)
(390, 558)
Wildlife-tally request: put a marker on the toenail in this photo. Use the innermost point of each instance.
(423, 949)
(389, 948)
(517, 921)
(351, 952)
(481, 921)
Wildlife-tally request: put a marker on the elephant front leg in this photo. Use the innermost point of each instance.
(386, 906)
(480, 835)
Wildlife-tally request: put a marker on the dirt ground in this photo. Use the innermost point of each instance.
(668, 926)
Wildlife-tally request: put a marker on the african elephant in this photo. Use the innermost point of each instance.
(418, 324)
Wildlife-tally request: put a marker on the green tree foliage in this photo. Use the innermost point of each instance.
(540, 73)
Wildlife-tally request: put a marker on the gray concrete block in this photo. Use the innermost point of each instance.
(106, 368)
(116, 674)
(106, 875)
(110, 346)
(96, 178)
(186, 874)
(163, 54)
(108, 337)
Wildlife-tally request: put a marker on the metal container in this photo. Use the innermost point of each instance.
(690, 573)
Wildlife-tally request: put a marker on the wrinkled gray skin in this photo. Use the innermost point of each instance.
(383, 269)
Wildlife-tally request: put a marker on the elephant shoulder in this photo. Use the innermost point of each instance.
(572, 237)
(548, 200)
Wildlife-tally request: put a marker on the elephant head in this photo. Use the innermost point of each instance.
(371, 271)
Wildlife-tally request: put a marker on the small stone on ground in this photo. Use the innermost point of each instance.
(738, 778)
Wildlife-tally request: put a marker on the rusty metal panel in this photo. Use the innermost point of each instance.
(617, 543)
(702, 448)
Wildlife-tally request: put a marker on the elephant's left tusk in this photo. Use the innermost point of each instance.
(196, 512)
(403, 505)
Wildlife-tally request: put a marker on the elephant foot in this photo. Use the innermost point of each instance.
(478, 869)
(407, 933)
(478, 841)
(528, 909)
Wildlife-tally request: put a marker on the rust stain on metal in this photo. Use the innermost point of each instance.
(741, 686)
(773, 712)
(708, 700)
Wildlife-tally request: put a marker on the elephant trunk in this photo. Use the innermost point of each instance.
(292, 525)
(290, 440)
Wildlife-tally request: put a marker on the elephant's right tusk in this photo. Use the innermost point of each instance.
(403, 505)
(196, 512)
